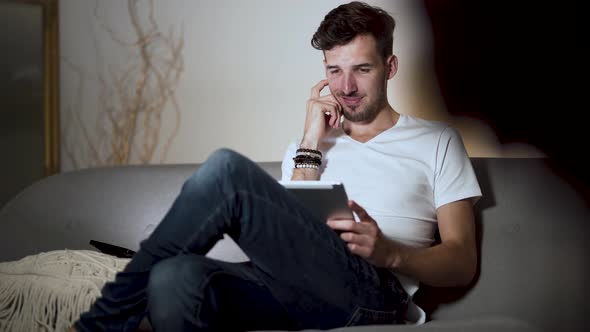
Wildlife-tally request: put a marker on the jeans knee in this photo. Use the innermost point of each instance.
(176, 274)
(172, 285)
(162, 280)
(221, 164)
(224, 158)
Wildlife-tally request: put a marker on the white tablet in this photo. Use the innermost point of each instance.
(323, 198)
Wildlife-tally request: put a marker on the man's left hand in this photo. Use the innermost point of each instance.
(364, 238)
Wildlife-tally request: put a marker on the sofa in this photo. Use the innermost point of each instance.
(532, 231)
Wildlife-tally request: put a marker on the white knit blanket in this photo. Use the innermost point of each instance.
(49, 291)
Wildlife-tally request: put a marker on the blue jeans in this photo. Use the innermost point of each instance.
(301, 274)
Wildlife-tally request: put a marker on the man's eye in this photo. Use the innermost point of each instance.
(333, 71)
(364, 70)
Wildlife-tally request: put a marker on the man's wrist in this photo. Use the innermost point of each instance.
(309, 143)
(395, 255)
(305, 174)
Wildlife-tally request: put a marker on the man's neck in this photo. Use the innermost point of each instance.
(364, 132)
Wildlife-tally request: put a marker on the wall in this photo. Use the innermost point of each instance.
(247, 71)
(21, 98)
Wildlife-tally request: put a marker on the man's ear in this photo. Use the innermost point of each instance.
(391, 64)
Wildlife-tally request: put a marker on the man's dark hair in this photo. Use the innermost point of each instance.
(343, 23)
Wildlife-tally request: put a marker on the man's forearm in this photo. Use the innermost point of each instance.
(443, 265)
(306, 174)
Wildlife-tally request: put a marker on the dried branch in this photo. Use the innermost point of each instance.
(132, 99)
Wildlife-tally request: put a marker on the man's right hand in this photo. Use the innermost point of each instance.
(323, 114)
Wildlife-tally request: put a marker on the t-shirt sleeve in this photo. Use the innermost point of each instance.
(454, 177)
(288, 163)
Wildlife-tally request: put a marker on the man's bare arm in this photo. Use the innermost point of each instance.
(305, 174)
(451, 263)
(322, 114)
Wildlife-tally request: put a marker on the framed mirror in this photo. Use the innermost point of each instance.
(29, 93)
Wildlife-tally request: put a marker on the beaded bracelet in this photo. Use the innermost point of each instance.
(307, 160)
(311, 154)
(318, 152)
(314, 166)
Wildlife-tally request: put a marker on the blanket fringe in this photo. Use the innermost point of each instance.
(48, 292)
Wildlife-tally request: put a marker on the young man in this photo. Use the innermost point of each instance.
(405, 176)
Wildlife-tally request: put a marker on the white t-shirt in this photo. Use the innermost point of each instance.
(400, 177)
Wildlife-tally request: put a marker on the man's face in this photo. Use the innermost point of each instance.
(357, 76)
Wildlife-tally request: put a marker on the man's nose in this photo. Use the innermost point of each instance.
(349, 86)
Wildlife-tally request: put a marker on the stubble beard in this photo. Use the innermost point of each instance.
(361, 113)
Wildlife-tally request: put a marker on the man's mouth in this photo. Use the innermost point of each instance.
(352, 100)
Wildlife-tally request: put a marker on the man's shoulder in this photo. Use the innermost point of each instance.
(434, 128)
(412, 120)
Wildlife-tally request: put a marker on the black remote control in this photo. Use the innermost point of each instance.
(111, 249)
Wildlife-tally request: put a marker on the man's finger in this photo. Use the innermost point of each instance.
(360, 212)
(330, 109)
(315, 91)
(342, 224)
(333, 113)
(333, 100)
(357, 238)
(358, 250)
